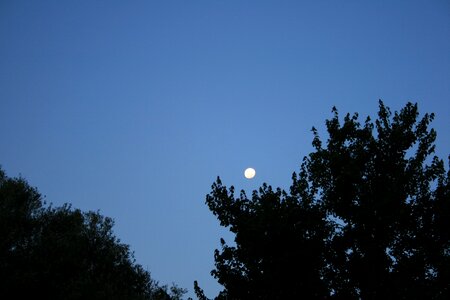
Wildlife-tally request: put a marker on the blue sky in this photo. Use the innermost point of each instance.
(134, 107)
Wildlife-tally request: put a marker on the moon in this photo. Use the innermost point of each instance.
(249, 173)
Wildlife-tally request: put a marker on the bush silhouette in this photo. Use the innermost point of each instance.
(64, 253)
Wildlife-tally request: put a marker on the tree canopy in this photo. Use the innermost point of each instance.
(63, 253)
(367, 217)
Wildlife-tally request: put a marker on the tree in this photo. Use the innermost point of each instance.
(367, 217)
(279, 244)
(64, 253)
(389, 202)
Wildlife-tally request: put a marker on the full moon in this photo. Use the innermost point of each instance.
(249, 173)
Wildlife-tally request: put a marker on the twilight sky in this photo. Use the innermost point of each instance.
(134, 108)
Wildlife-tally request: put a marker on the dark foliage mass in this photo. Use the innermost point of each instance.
(64, 253)
(366, 217)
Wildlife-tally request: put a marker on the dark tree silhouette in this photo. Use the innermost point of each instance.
(389, 202)
(280, 250)
(367, 217)
(64, 253)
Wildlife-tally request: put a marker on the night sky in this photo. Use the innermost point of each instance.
(133, 108)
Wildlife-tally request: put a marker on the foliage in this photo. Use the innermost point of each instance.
(367, 217)
(64, 253)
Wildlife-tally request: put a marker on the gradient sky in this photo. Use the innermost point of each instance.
(134, 107)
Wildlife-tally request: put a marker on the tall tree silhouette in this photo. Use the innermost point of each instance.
(367, 217)
(389, 202)
(64, 253)
(279, 252)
